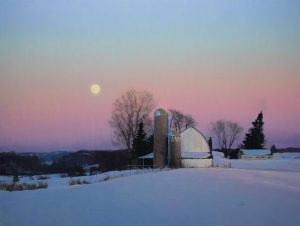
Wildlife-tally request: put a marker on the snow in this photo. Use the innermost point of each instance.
(252, 192)
(56, 181)
(214, 196)
(287, 155)
(194, 155)
(185, 154)
(280, 162)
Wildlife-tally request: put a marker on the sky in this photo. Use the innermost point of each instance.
(213, 59)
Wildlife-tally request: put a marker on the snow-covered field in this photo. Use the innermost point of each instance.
(280, 162)
(213, 196)
(55, 181)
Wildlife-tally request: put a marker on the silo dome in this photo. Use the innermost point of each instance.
(160, 112)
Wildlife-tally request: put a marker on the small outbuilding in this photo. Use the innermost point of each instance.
(256, 154)
(146, 160)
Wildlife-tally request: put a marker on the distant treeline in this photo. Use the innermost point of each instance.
(75, 163)
(105, 161)
(289, 149)
(13, 164)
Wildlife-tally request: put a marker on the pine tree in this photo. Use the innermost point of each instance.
(150, 142)
(273, 149)
(140, 143)
(255, 138)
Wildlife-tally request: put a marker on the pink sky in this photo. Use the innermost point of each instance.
(213, 61)
(51, 115)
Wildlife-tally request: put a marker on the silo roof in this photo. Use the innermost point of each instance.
(160, 112)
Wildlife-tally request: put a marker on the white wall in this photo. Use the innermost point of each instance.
(192, 140)
(196, 163)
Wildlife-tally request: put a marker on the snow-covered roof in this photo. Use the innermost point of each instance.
(148, 156)
(256, 151)
(184, 155)
(87, 167)
(194, 155)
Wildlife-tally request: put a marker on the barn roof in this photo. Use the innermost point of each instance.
(184, 155)
(195, 155)
(191, 127)
(192, 140)
(253, 152)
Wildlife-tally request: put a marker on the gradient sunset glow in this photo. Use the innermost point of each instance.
(225, 59)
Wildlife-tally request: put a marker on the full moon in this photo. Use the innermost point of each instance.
(95, 89)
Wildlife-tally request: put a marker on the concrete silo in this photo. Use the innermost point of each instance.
(160, 148)
(175, 150)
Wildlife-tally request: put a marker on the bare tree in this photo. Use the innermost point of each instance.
(226, 133)
(129, 110)
(189, 121)
(180, 121)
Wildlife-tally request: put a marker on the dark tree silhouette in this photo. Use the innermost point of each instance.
(141, 145)
(255, 138)
(180, 121)
(273, 149)
(226, 133)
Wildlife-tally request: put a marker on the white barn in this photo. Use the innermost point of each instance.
(195, 150)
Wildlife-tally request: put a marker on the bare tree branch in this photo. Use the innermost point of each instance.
(180, 121)
(128, 111)
(225, 133)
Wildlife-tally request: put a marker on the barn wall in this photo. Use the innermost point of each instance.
(192, 140)
(196, 163)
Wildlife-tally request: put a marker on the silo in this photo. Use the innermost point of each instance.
(175, 150)
(160, 148)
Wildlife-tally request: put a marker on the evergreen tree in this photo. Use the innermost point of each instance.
(150, 142)
(140, 143)
(273, 149)
(255, 138)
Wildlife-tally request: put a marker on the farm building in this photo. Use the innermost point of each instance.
(256, 154)
(188, 149)
(146, 160)
(195, 149)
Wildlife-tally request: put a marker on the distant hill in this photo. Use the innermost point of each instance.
(32, 163)
(107, 160)
(46, 157)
